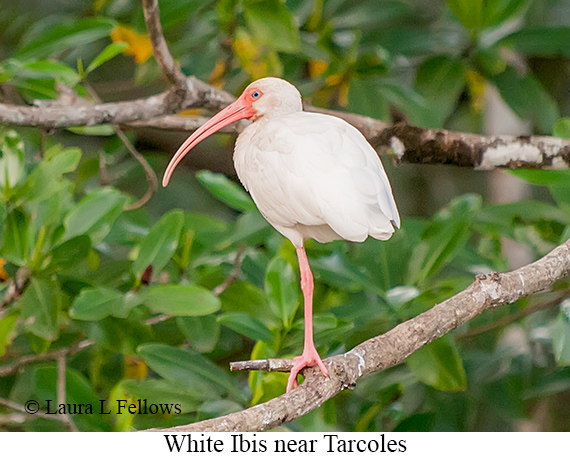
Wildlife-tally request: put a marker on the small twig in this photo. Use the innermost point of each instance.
(61, 391)
(233, 274)
(15, 288)
(50, 355)
(156, 319)
(43, 135)
(149, 172)
(17, 407)
(169, 67)
(513, 317)
(280, 365)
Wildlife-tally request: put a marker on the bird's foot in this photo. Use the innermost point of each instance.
(307, 359)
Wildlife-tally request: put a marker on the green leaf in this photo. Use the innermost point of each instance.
(12, 160)
(188, 368)
(202, 332)
(176, 13)
(70, 252)
(362, 15)
(498, 11)
(561, 335)
(440, 80)
(272, 25)
(246, 325)
(105, 55)
(406, 99)
(8, 330)
(363, 98)
(78, 391)
(242, 296)
(508, 216)
(550, 178)
(250, 228)
(66, 35)
(40, 305)
(438, 364)
(160, 391)
(99, 302)
(400, 295)
(469, 12)
(94, 214)
(561, 128)
(93, 130)
(17, 237)
(226, 191)
(477, 14)
(46, 180)
(41, 69)
(340, 272)
(281, 288)
(62, 160)
(421, 422)
(160, 244)
(527, 98)
(180, 300)
(443, 239)
(541, 41)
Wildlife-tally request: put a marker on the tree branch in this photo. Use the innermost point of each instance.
(418, 145)
(21, 408)
(383, 351)
(54, 115)
(407, 143)
(169, 67)
(10, 368)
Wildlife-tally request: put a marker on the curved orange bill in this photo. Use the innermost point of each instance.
(232, 113)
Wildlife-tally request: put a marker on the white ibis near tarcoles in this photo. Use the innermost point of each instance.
(311, 176)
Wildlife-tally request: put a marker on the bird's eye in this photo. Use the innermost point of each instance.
(255, 94)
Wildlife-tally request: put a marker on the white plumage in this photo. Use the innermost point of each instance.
(315, 176)
(311, 176)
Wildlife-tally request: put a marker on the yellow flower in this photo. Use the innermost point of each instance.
(3, 275)
(138, 45)
(476, 87)
(255, 59)
(317, 68)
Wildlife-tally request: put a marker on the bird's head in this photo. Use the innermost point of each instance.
(266, 97)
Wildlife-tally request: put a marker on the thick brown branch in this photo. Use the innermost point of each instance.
(412, 144)
(383, 351)
(169, 67)
(56, 115)
(407, 143)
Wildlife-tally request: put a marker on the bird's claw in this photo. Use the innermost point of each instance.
(307, 359)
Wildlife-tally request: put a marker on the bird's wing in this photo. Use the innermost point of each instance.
(313, 169)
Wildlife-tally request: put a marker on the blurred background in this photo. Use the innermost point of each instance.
(78, 256)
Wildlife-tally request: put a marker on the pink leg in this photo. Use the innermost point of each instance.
(310, 356)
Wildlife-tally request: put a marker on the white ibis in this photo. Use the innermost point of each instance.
(311, 176)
